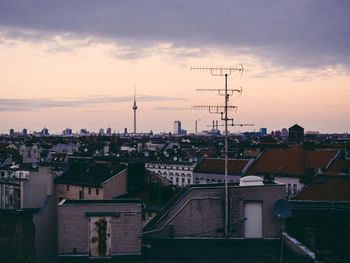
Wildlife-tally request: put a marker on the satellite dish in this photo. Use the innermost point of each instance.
(282, 209)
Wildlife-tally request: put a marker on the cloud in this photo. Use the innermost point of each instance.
(292, 34)
(38, 104)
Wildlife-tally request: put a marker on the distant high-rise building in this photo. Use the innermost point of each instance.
(263, 131)
(296, 134)
(177, 127)
(83, 131)
(125, 130)
(102, 131)
(109, 131)
(45, 132)
(278, 133)
(284, 132)
(24, 132)
(67, 132)
(12, 132)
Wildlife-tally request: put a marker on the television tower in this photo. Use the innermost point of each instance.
(134, 107)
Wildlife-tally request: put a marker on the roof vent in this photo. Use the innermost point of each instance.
(251, 180)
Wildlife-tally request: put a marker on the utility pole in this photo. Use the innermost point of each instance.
(223, 111)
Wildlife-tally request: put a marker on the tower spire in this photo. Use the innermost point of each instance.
(134, 107)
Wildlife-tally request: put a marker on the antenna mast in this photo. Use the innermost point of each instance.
(222, 72)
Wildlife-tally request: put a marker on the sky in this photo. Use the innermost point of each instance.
(75, 64)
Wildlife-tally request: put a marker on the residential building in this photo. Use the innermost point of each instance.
(296, 134)
(212, 170)
(293, 166)
(178, 173)
(11, 180)
(91, 180)
(321, 218)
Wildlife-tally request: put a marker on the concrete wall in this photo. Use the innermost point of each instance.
(200, 213)
(35, 190)
(73, 227)
(115, 186)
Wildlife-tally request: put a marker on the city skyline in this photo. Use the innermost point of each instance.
(63, 66)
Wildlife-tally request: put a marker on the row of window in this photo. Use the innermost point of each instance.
(177, 181)
(169, 167)
(289, 189)
(172, 174)
(81, 194)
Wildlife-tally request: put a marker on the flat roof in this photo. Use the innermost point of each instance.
(101, 201)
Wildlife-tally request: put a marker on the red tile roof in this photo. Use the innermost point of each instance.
(217, 166)
(339, 166)
(327, 188)
(292, 161)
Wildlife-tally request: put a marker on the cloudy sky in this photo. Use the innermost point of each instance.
(74, 64)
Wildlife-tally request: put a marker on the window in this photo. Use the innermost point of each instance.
(177, 181)
(81, 196)
(289, 189)
(197, 180)
(188, 181)
(183, 181)
(89, 190)
(97, 191)
(67, 187)
(294, 188)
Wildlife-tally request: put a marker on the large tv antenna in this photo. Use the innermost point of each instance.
(223, 111)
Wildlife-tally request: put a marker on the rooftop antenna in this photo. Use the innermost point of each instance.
(223, 111)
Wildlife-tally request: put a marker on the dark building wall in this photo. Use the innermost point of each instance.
(46, 231)
(200, 212)
(322, 230)
(16, 236)
(296, 134)
(136, 177)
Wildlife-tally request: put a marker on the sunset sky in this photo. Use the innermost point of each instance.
(74, 64)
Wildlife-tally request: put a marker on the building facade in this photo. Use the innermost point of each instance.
(180, 174)
(99, 228)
